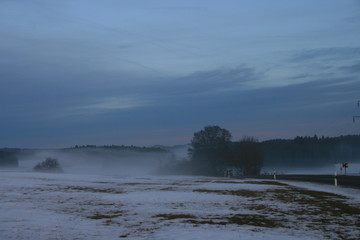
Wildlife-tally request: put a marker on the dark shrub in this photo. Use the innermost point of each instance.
(49, 165)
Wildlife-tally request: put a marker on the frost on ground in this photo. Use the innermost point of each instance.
(63, 206)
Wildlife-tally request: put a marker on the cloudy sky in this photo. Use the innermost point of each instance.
(148, 72)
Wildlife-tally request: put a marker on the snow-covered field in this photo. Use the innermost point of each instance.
(68, 206)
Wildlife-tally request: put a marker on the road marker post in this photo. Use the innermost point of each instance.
(335, 179)
(274, 174)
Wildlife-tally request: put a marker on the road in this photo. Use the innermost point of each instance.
(343, 181)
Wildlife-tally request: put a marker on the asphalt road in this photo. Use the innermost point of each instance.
(343, 181)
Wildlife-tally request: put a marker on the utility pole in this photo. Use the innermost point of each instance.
(355, 117)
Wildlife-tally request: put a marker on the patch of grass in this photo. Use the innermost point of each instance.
(136, 184)
(180, 184)
(178, 205)
(170, 216)
(200, 222)
(109, 216)
(93, 190)
(108, 222)
(317, 194)
(202, 181)
(230, 182)
(168, 189)
(132, 184)
(321, 210)
(274, 183)
(104, 182)
(254, 220)
(95, 203)
(239, 219)
(258, 207)
(240, 192)
(321, 202)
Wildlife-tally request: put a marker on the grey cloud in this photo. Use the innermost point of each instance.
(230, 75)
(326, 53)
(352, 68)
(179, 8)
(67, 99)
(213, 82)
(276, 107)
(301, 76)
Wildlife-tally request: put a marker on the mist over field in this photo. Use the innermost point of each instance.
(99, 161)
(282, 156)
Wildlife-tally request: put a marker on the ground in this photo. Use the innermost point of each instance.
(67, 206)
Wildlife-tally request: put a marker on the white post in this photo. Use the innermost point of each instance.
(274, 174)
(335, 179)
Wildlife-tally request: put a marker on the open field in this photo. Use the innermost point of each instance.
(67, 206)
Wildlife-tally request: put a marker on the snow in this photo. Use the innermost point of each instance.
(351, 193)
(68, 206)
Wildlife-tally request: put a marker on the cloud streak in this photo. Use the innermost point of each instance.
(103, 106)
(352, 68)
(335, 53)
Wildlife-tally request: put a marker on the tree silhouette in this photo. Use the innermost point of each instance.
(210, 149)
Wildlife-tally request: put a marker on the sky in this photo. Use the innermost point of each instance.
(147, 72)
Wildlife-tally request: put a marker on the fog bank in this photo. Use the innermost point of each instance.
(103, 161)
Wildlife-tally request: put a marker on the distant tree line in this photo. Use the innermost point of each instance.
(213, 153)
(121, 147)
(311, 151)
(8, 159)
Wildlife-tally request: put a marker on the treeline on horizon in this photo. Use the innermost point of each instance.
(118, 147)
(311, 151)
(302, 151)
